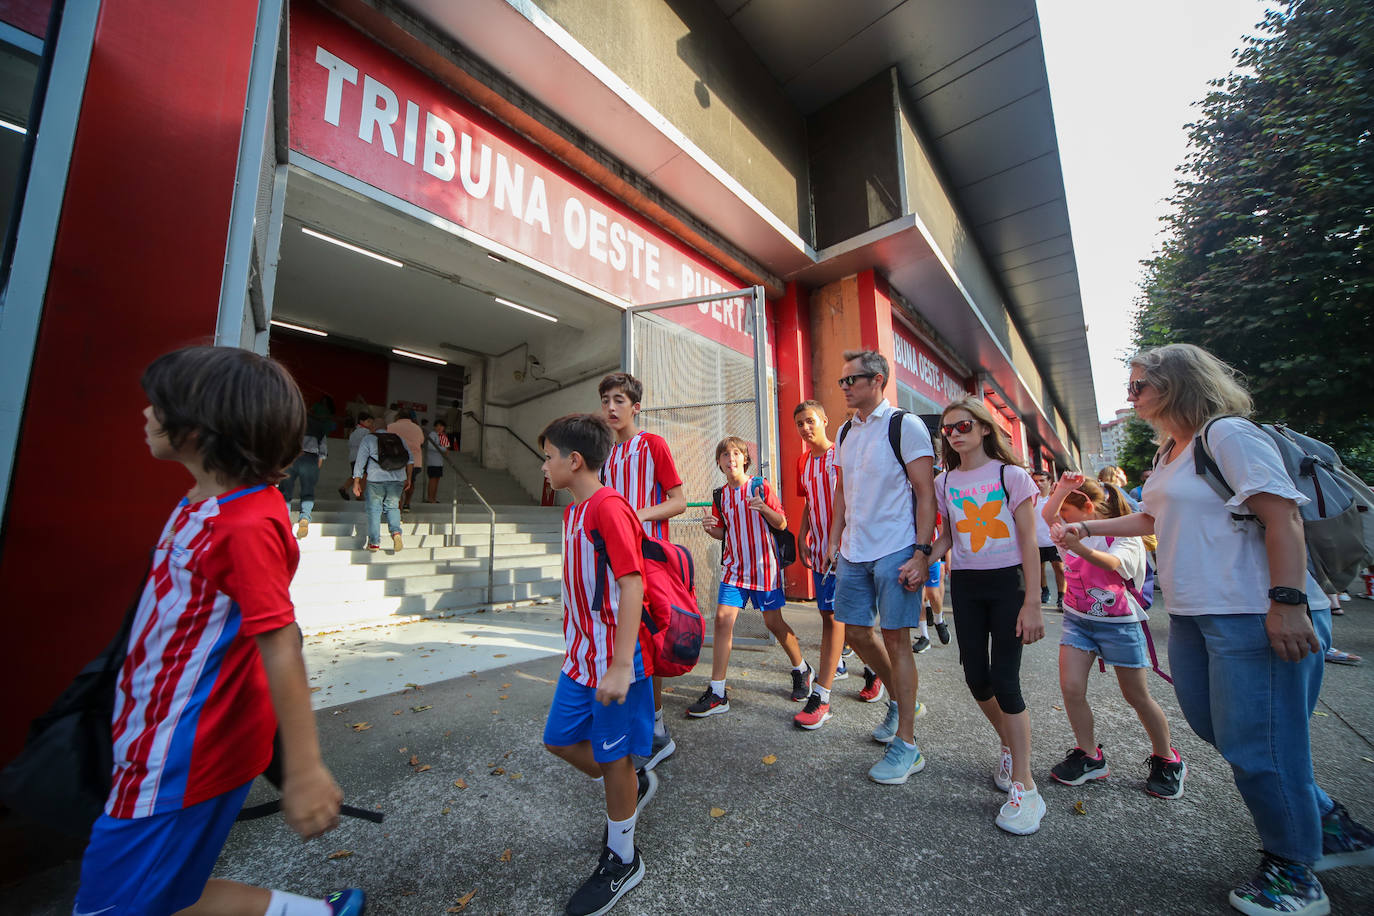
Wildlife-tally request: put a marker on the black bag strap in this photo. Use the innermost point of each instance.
(1206, 467)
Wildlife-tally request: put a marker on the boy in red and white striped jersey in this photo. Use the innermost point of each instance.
(640, 467)
(741, 514)
(214, 655)
(602, 708)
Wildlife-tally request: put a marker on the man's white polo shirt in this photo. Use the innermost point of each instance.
(877, 495)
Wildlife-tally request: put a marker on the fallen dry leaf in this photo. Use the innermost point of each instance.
(515, 776)
(424, 768)
(414, 760)
(463, 901)
(397, 712)
(499, 655)
(1324, 715)
(316, 689)
(1080, 808)
(341, 854)
(505, 686)
(420, 708)
(360, 726)
(498, 771)
(505, 856)
(460, 783)
(414, 687)
(771, 759)
(446, 811)
(503, 697)
(718, 812)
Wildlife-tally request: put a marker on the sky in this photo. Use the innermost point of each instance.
(1123, 80)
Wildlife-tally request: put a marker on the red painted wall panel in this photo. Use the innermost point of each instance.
(136, 271)
(322, 368)
(792, 345)
(27, 15)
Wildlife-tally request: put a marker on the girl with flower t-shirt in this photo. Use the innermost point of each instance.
(1102, 617)
(988, 504)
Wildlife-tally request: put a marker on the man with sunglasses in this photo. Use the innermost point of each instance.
(880, 548)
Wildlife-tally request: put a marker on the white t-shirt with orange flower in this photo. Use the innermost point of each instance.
(979, 513)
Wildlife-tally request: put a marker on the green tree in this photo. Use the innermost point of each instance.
(1137, 449)
(1266, 260)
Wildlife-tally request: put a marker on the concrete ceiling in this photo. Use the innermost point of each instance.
(443, 294)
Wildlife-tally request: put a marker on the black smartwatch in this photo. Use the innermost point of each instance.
(1282, 594)
(924, 548)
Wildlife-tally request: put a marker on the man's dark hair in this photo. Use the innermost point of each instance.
(584, 433)
(245, 411)
(439, 423)
(364, 415)
(817, 406)
(633, 387)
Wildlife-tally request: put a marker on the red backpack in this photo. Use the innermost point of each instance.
(670, 618)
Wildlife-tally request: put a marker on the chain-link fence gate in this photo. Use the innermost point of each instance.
(697, 391)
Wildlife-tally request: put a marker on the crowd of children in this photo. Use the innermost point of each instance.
(215, 629)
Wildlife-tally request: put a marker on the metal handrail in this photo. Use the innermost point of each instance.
(453, 525)
(513, 434)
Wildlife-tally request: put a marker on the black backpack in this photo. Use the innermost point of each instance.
(392, 454)
(894, 439)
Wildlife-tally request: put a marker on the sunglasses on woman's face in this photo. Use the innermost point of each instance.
(1133, 388)
(963, 427)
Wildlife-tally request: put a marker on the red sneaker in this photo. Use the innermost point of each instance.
(873, 687)
(813, 716)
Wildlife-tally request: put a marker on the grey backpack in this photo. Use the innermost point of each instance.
(1338, 521)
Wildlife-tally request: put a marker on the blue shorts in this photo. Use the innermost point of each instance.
(825, 591)
(868, 593)
(933, 579)
(157, 864)
(614, 731)
(1121, 644)
(734, 596)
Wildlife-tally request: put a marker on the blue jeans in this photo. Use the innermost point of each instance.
(869, 593)
(1254, 708)
(383, 495)
(306, 470)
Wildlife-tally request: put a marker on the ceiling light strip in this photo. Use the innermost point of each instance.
(526, 309)
(351, 247)
(298, 327)
(420, 356)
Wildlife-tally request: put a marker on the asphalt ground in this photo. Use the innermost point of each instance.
(756, 816)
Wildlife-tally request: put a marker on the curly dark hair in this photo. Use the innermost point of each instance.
(243, 411)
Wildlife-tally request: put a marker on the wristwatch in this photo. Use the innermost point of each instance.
(1282, 594)
(924, 548)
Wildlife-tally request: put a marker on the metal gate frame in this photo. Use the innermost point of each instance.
(757, 318)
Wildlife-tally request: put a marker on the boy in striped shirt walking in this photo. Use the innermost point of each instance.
(214, 660)
(602, 708)
(640, 467)
(749, 572)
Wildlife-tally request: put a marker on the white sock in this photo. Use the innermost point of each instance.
(620, 837)
(825, 694)
(659, 728)
(284, 904)
(940, 616)
(598, 779)
(718, 688)
(908, 745)
(925, 631)
(801, 667)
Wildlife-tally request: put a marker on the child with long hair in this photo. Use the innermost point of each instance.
(1102, 610)
(987, 500)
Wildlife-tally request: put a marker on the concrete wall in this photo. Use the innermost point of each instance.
(685, 60)
(856, 180)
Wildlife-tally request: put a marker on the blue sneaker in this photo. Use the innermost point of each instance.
(884, 733)
(1281, 886)
(351, 902)
(842, 672)
(897, 764)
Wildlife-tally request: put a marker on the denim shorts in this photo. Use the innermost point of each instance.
(734, 596)
(1120, 644)
(825, 591)
(869, 593)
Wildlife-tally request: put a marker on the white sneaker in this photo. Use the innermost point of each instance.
(1022, 812)
(1002, 778)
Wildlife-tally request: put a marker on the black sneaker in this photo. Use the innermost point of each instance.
(1078, 767)
(1044, 596)
(1166, 776)
(708, 704)
(922, 644)
(664, 747)
(942, 630)
(1280, 886)
(846, 651)
(801, 684)
(648, 787)
(1059, 604)
(612, 880)
(930, 616)
(1344, 841)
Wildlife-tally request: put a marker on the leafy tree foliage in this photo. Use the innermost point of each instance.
(1137, 448)
(1267, 258)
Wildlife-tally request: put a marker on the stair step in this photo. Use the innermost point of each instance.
(404, 564)
(378, 611)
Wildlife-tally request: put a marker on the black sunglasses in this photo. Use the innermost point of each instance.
(849, 380)
(1134, 388)
(963, 427)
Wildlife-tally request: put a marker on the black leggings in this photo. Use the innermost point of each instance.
(986, 604)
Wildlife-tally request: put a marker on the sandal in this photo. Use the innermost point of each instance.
(1339, 657)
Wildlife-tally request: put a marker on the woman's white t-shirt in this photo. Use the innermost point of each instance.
(1131, 553)
(1207, 562)
(1042, 527)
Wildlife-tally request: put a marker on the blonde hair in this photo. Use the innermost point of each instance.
(1108, 474)
(1089, 495)
(995, 443)
(1108, 501)
(1193, 385)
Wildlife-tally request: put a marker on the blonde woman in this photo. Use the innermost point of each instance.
(1247, 625)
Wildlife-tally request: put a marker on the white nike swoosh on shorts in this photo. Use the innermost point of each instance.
(607, 747)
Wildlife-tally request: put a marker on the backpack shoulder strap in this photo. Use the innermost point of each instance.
(844, 431)
(1206, 467)
(603, 563)
(894, 435)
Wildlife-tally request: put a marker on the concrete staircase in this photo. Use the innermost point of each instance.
(341, 585)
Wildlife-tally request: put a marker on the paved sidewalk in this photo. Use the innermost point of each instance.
(807, 833)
